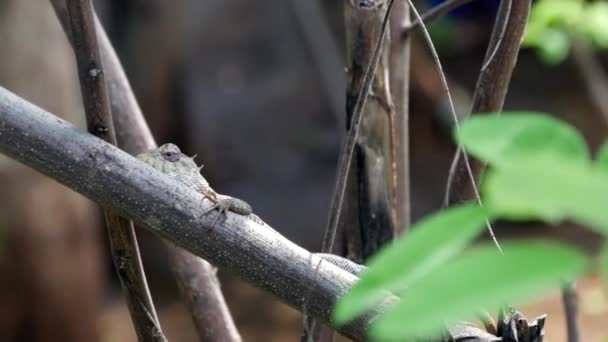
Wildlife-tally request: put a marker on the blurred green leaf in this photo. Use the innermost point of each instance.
(595, 23)
(516, 136)
(601, 160)
(553, 45)
(482, 278)
(552, 189)
(553, 13)
(430, 243)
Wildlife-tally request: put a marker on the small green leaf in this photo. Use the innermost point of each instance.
(516, 136)
(601, 160)
(550, 189)
(479, 279)
(595, 23)
(431, 242)
(553, 46)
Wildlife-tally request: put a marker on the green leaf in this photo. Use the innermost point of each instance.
(479, 279)
(563, 13)
(431, 242)
(601, 160)
(517, 136)
(550, 189)
(595, 23)
(553, 46)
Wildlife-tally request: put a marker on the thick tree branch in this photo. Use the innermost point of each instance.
(114, 179)
(117, 180)
(195, 277)
(123, 242)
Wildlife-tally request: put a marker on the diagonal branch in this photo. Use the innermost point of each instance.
(117, 180)
(114, 179)
(195, 277)
(432, 14)
(123, 242)
(492, 84)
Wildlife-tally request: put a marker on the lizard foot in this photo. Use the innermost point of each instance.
(222, 207)
(226, 203)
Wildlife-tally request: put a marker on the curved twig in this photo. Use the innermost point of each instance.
(123, 242)
(195, 277)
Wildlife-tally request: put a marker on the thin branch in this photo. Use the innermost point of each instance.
(399, 68)
(491, 89)
(492, 85)
(432, 14)
(569, 297)
(592, 74)
(467, 167)
(114, 179)
(311, 329)
(123, 242)
(196, 278)
(346, 154)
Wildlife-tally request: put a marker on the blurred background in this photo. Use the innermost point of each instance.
(257, 92)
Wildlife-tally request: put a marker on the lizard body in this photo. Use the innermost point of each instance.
(171, 161)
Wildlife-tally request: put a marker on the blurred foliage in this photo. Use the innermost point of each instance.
(554, 23)
(539, 169)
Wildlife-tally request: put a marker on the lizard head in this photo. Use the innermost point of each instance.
(169, 159)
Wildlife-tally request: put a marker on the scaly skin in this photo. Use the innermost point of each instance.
(171, 161)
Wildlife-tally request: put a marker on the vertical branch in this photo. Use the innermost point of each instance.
(399, 67)
(592, 74)
(123, 243)
(569, 297)
(369, 184)
(372, 186)
(492, 84)
(196, 278)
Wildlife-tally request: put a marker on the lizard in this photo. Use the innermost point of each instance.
(170, 160)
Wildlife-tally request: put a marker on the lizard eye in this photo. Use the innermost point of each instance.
(171, 156)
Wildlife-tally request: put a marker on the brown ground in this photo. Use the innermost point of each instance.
(260, 318)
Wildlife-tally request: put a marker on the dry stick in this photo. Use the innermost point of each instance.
(123, 242)
(432, 14)
(592, 73)
(569, 297)
(346, 156)
(399, 68)
(492, 84)
(171, 210)
(492, 87)
(444, 83)
(196, 278)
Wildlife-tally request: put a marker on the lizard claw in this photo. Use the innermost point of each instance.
(222, 206)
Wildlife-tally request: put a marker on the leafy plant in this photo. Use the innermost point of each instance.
(553, 24)
(539, 168)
